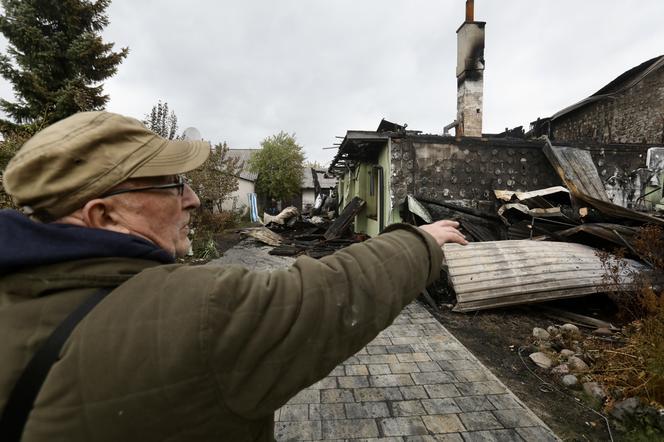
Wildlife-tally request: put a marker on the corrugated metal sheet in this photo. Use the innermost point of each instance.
(500, 273)
(576, 168)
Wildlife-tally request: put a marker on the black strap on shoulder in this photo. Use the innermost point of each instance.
(25, 391)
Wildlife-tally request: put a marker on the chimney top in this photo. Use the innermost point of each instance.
(470, 10)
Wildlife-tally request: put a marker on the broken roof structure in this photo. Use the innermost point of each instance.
(626, 110)
(584, 186)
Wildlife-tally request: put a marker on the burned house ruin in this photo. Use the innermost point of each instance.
(587, 175)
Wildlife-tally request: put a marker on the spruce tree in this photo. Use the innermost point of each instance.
(56, 58)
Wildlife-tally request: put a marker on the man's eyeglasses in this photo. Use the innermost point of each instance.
(179, 185)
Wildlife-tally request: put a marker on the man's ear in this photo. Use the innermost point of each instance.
(103, 214)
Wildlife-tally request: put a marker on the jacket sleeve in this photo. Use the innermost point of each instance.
(267, 335)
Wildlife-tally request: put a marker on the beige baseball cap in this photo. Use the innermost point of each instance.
(83, 156)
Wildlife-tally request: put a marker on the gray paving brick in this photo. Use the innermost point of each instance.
(418, 314)
(376, 369)
(414, 392)
(432, 377)
(378, 439)
(446, 345)
(479, 388)
(472, 375)
(356, 370)
(474, 403)
(376, 359)
(413, 357)
(503, 401)
(314, 412)
(353, 381)
(350, 428)
(381, 341)
(421, 347)
(450, 355)
(376, 349)
(407, 408)
(377, 394)
(428, 366)
(442, 391)
(338, 371)
(330, 412)
(457, 365)
(402, 340)
(307, 396)
(440, 406)
(294, 431)
(420, 439)
(451, 437)
(538, 434)
(298, 412)
(391, 380)
(325, 383)
(443, 423)
(480, 420)
(352, 360)
(336, 395)
(515, 418)
(492, 436)
(403, 426)
(399, 349)
(405, 367)
(367, 410)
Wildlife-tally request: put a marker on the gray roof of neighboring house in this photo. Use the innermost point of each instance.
(622, 82)
(244, 155)
(308, 179)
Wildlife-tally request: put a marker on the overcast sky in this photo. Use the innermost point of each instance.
(242, 70)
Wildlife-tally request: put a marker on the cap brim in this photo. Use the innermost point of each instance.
(178, 156)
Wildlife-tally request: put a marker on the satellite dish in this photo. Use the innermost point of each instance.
(191, 133)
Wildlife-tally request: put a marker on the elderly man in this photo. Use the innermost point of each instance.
(173, 352)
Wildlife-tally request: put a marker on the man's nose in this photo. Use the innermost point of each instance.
(189, 198)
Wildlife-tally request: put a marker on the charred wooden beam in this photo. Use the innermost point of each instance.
(339, 226)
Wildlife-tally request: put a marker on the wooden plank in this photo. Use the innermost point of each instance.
(264, 235)
(345, 219)
(575, 318)
(577, 170)
(501, 273)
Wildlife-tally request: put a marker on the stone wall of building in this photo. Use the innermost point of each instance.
(466, 171)
(635, 115)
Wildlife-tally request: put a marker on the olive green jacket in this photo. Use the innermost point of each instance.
(184, 353)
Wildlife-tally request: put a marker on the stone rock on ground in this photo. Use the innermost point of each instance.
(577, 364)
(594, 390)
(602, 331)
(623, 409)
(560, 370)
(540, 333)
(566, 353)
(570, 381)
(542, 360)
(569, 330)
(553, 330)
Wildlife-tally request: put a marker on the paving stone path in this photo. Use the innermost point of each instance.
(414, 382)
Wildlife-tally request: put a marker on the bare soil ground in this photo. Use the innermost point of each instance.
(495, 337)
